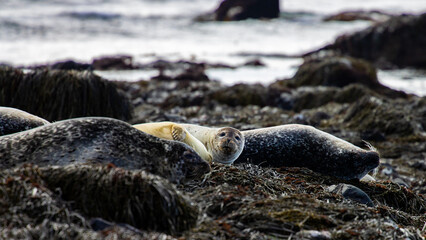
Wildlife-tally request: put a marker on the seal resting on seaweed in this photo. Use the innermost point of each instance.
(224, 145)
(101, 140)
(13, 120)
(296, 145)
(173, 131)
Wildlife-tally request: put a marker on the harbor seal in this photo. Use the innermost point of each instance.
(224, 144)
(173, 131)
(13, 120)
(101, 140)
(296, 145)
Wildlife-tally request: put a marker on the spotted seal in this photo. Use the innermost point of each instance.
(13, 120)
(101, 140)
(224, 144)
(173, 131)
(296, 145)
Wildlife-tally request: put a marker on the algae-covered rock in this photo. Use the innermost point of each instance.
(375, 114)
(137, 198)
(334, 71)
(56, 95)
(337, 71)
(398, 42)
(244, 94)
(32, 204)
(29, 209)
(248, 201)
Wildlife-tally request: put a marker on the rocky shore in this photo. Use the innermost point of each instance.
(335, 93)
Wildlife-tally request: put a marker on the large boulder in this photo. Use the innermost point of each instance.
(235, 10)
(399, 42)
(58, 94)
(338, 71)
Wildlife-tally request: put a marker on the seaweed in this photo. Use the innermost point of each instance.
(59, 94)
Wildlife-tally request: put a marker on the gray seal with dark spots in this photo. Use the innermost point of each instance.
(13, 120)
(101, 140)
(296, 145)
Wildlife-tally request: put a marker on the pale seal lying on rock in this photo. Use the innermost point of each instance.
(173, 131)
(101, 140)
(222, 145)
(13, 120)
(295, 145)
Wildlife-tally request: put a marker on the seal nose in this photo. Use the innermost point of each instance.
(372, 158)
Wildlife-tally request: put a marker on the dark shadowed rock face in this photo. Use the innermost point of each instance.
(58, 94)
(398, 42)
(235, 10)
(337, 71)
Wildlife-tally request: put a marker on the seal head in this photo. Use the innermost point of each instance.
(226, 145)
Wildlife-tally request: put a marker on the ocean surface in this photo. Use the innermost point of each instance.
(40, 31)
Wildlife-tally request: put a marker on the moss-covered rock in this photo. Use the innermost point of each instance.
(397, 42)
(56, 202)
(245, 94)
(138, 198)
(334, 71)
(56, 95)
(375, 114)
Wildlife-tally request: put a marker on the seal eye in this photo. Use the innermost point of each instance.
(222, 134)
(237, 138)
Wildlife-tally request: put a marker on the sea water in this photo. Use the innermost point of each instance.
(39, 31)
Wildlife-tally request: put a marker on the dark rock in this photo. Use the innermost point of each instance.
(245, 94)
(235, 10)
(338, 71)
(374, 16)
(334, 71)
(373, 135)
(57, 94)
(191, 72)
(113, 63)
(421, 165)
(137, 198)
(254, 63)
(398, 42)
(351, 192)
(379, 115)
(70, 65)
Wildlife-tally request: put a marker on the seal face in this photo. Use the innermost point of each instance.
(226, 145)
(101, 140)
(13, 120)
(296, 145)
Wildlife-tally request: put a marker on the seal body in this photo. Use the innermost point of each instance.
(13, 120)
(173, 131)
(297, 145)
(101, 140)
(224, 144)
